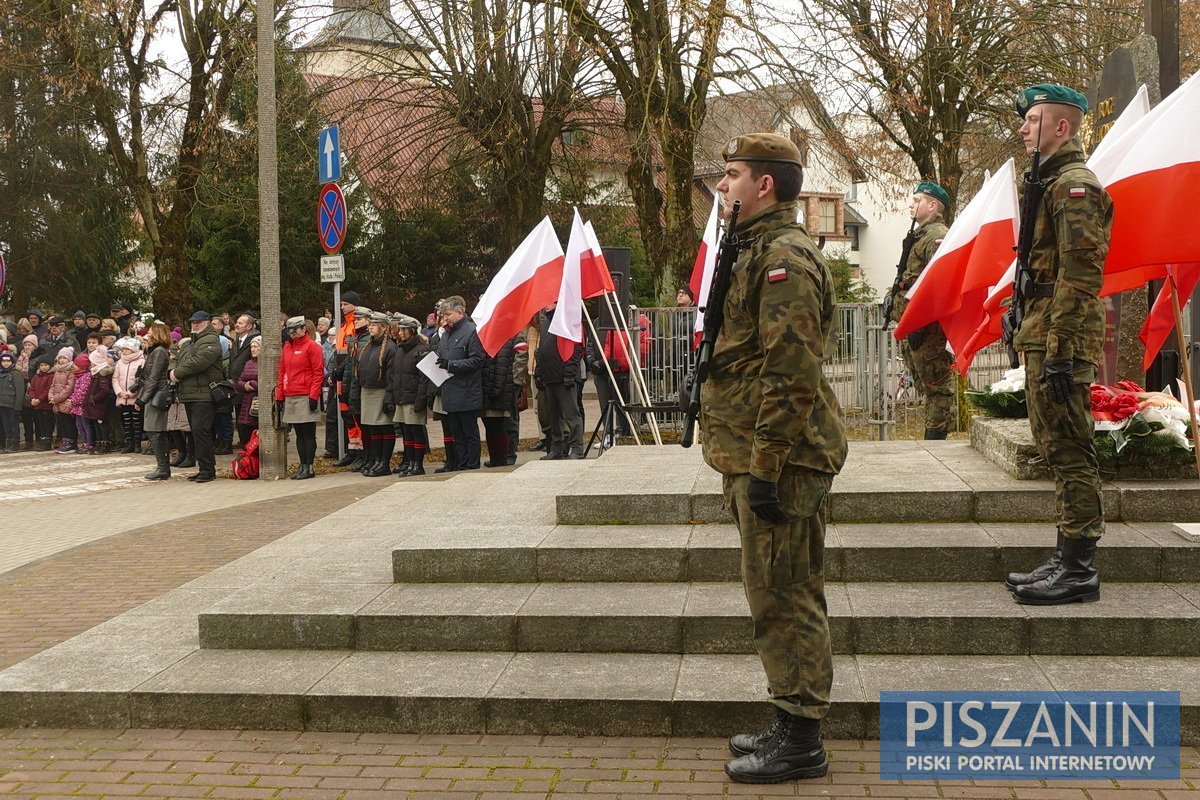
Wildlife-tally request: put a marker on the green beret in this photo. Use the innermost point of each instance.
(1049, 93)
(933, 190)
(763, 147)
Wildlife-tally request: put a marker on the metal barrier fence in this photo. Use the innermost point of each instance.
(866, 371)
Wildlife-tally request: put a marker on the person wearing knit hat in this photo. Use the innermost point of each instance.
(41, 377)
(85, 433)
(12, 399)
(100, 398)
(26, 357)
(60, 399)
(36, 320)
(125, 380)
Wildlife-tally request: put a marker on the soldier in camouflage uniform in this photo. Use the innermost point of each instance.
(772, 427)
(1061, 337)
(924, 350)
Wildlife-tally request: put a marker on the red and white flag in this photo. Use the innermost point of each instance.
(528, 282)
(594, 277)
(567, 324)
(1161, 319)
(1151, 173)
(989, 330)
(706, 262)
(971, 258)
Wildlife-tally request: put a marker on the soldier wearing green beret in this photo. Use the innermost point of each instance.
(1061, 337)
(924, 349)
(773, 429)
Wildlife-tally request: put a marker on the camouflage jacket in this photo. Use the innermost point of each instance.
(1070, 243)
(928, 237)
(766, 403)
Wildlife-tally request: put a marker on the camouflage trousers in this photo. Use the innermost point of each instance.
(929, 362)
(1063, 434)
(783, 576)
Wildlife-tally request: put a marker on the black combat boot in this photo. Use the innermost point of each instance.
(348, 459)
(743, 744)
(1075, 580)
(793, 753)
(1016, 579)
(934, 435)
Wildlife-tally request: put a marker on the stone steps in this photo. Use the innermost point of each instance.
(910, 552)
(530, 693)
(1148, 619)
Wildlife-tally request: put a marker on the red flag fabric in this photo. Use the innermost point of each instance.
(567, 324)
(973, 255)
(1161, 319)
(528, 282)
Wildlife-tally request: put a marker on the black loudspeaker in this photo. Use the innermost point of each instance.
(617, 259)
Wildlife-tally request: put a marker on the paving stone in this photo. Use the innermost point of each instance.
(623, 618)
(614, 553)
(321, 617)
(936, 618)
(443, 617)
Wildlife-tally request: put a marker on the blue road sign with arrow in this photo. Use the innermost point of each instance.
(329, 155)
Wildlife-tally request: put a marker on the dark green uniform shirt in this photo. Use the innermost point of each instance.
(1070, 243)
(766, 403)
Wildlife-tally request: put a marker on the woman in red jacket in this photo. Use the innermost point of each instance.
(298, 391)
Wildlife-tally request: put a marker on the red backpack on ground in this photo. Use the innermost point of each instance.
(246, 465)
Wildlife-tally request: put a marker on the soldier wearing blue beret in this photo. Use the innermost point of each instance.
(1061, 336)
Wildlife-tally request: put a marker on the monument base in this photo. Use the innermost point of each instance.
(1008, 443)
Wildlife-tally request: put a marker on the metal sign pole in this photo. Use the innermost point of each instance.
(337, 329)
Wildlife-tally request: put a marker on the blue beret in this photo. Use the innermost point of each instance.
(1049, 93)
(933, 190)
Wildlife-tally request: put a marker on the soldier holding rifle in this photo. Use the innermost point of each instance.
(924, 350)
(772, 427)
(1057, 320)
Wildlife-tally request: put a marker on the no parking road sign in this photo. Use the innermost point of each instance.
(331, 218)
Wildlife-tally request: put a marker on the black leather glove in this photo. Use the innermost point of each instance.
(539, 383)
(389, 408)
(1058, 378)
(279, 410)
(764, 501)
(444, 364)
(313, 404)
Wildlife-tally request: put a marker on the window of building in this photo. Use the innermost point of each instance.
(852, 231)
(828, 209)
(799, 137)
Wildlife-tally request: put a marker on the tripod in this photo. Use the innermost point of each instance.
(609, 422)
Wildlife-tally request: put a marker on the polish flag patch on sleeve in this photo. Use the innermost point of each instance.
(1077, 191)
(776, 275)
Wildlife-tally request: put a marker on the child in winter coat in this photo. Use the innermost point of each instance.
(124, 382)
(12, 399)
(60, 399)
(99, 398)
(86, 432)
(39, 400)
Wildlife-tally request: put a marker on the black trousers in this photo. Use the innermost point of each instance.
(464, 425)
(201, 417)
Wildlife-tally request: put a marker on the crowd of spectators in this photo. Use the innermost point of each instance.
(129, 383)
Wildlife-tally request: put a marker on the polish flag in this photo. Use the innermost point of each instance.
(1101, 163)
(567, 323)
(1161, 319)
(706, 263)
(1151, 174)
(971, 258)
(528, 282)
(594, 277)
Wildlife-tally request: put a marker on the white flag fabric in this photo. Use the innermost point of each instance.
(528, 282)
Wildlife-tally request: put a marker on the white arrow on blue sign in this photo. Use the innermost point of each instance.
(329, 155)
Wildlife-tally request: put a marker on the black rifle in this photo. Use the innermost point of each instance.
(889, 301)
(714, 318)
(1031, 202)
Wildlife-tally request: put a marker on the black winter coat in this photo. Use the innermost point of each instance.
(154, 374)
(498, 387)
(409, 384)
(465, 359)
(550, 366)
(373, 373)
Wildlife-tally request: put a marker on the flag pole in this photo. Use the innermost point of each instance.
(631, 353)
(612, 379)
(1187, 372)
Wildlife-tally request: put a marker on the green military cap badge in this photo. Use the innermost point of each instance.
(1049, 93)
(763, 147)
(933, 190)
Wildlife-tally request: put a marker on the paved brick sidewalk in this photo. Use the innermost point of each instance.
(47, 602)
